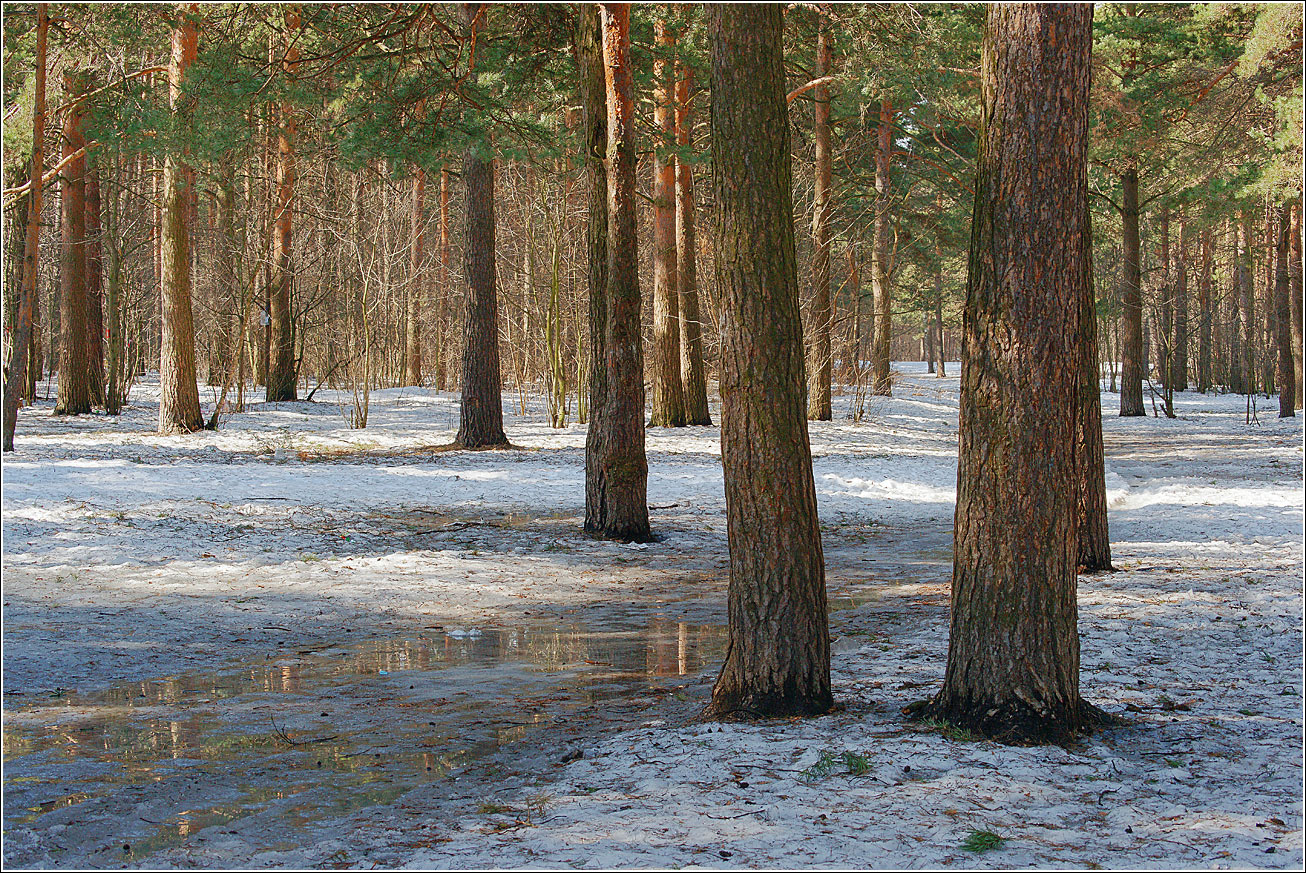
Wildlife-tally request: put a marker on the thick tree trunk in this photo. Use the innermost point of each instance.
(416, 284)
(1132, 356)
(16, 374)
(179, 401)
(1013, 656)
(620, 487)
(594, 107)
(113, 389)
(74, 360)
(818, 344)
(882, 343)
(778, 657)
(668, 402)
(1283, 317)
(481, 422)
(1246, 291)
(1165, 291)
(692, 369)
(1204, 310)
(281, 375)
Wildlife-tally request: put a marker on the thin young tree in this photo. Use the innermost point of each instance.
(818, 365)
(692, 370)
(1013, 655)
(667, 408)
(480, 424)
(179, 401)
(74, 354)
(778, 657)
(16, 372)
(616, 486)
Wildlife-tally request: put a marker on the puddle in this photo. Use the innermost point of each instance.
(271, 747)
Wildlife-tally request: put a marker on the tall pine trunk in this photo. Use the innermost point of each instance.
(819, 360)
(74, 356)
(179, 401)
(619, 509)
(1091, 522)
(1179, 358)
(1132, 356)
(416, 284)
(692, 369)
(778, 656)
(883, 336)
(281, 374)
(20, 363)
(441, 380)
(1283, 317)
(1204, 312)
(481, 413)
(1013, 655)
(668, 402)
(1295, 291)
(94, 284)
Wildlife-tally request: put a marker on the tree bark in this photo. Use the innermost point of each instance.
(1245, 289)
(778, 656)
(441, 381)
(1164, 332)
(818, 365)
(1179, 357)
(1013, 655)
(179, 401)
(94, 285)
(416, 284)
(882, 343)
(668, 402)
(1295, 282)
(481, 420)
(281, 376)
(1131, 301)
(594, 107)
(1093, 534)
(1204, 309)
(1283, 317)
(620, 487)
(74, 361)
(16, 374)
(692, 369)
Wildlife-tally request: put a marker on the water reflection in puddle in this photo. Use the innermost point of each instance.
(320, 733)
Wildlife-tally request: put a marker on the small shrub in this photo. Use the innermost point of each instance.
(981, 841)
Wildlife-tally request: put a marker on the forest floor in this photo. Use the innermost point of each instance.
(290, 643)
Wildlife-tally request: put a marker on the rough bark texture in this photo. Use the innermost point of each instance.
(416, 285)
(818, 365)
(281, 376)
(1165, 292)
(480, 424)
(1013, 656)
(179, 401)
(1092, 533)
(74, 378)
(1204, 313)
(1283, 317)
(668, 402)
(1246, 301)
(882, 383)
(594, 106)
(620, 506)
(16, 374)
(778, 656)
(692, 370)
(1131, 302)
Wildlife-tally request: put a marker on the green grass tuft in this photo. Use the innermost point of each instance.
(982, 841)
